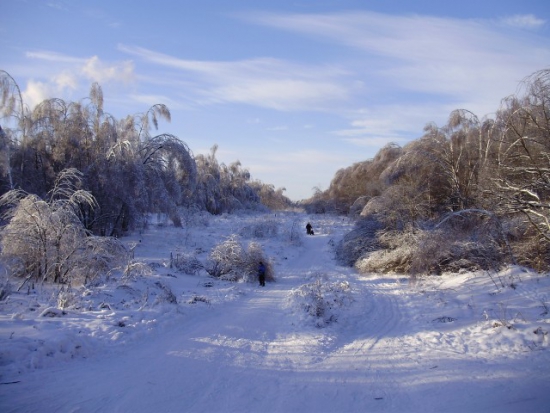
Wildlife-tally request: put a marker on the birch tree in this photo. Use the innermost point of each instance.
(523, 182)
(45, 239)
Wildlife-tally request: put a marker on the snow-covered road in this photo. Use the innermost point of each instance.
(253, 355)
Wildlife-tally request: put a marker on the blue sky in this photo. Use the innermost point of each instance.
(295, 90)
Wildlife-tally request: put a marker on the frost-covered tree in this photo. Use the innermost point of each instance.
(13, 132)
(45, 239)
(272, 198)
(129, 171)
(496, 167)
(362, 179)
(456, 154)
(221, 188)
(523, 182)
(208, 193)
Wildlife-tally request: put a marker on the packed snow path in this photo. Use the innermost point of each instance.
(250, 355)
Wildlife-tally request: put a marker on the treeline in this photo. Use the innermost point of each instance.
(472, 194)
(130, 171)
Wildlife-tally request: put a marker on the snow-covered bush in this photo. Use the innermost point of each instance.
(230, 260)
(226, 258)
(192, 216)
(135, 269)
(468, 240)
(320, 301)
(439, 252)
(261, 229)
(165, 294)
(66, 298)
(186, 263)
(465, 240)
(255, 254)
(104, 254)
(295, 233)
(529, 247)
(198, 299)
(358, 242)
(45, 240)
(469, 245)
(396, 255)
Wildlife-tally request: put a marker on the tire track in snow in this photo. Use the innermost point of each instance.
(245, 354)
(373, 350)
(372, 353)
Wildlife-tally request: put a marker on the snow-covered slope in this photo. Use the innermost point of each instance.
(322, 338)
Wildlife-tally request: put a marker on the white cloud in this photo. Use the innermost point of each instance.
(56, 5)
(150, 100)
(68, 74)
(523, 21)
(92, 68)
(285, 94)
(66, 80)
(464, 60)
(36, 92)
(376, 142)
(264, 82)
(100, 72)
(54, 57)
(379, 125)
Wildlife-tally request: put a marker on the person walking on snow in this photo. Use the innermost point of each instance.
(261, 274)
(309, 229)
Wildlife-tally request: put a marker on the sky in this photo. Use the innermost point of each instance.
(294, 90)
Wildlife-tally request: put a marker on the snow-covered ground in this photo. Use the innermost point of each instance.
(321, 338)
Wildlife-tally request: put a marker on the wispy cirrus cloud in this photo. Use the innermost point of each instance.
(424, 53)
(524, 21)
(379, 125)
(54, 57)
(264, 82)
(92, 68)
(152, 99)
(432, 65)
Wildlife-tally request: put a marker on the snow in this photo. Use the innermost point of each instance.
(321, 338)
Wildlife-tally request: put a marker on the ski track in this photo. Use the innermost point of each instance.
(372, 369)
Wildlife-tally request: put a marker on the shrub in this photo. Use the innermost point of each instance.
(320, 301)
(231, 261)
(66, 298)
(295, 234)
(186, 263)
(529, 247)
(165, 294)
(358, 242)
(396, 255)
(135, 269)
(468, 240)
(261, 229)
(45, 240)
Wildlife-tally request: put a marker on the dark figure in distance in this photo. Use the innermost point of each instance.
(261, 274)
(309, 229)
